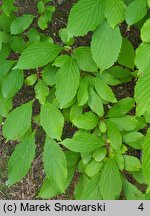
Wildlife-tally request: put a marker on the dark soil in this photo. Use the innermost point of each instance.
(29, 186)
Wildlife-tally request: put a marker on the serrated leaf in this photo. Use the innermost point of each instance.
(37, 55)
(49, 74)
(145, 31)
(20, 24)
(83, 93)
(125, 123)
(131, 192)
(142, 94)
(55, 164)
(12, 83)
(85, 16)
(41, 91)
(134, 139)
(121, 108)
(5, 106)
(110, 189)
(93, 168)
(95, 103)
(84, 59)
(142, 59)
(115, 12)
(132, 163)
(105, 41)
(60, 60)
(83, 142)
(114, 135)
(104, 90)
(67, 82)
(136, 11)
(146, 156)
(18, 122)
(127, 54)
(5, 66)
(88, 189)
(87, 121)
(51, 120)
(21, 159)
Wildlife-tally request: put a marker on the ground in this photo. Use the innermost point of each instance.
(29, 186)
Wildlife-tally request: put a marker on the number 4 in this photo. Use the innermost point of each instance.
(141, 207)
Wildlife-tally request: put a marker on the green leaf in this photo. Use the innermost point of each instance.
(83, 93)
(142, 94)
(84, 59)
(110, 182)
(1, 40)
(5, 106)
(131, 192)
(85, 16)
(125, 123)
(41, 7)
(121, 108)
(49, 74)
(41, 91)
(83, 142)
(51, 120)
(5, 66)
(134, 139)
(136, 11)
(7, 6)
(105, 41)
(88, 189)
(67, 82)
(75, 112)
(17, 44)
(37, 55)
(95, 103)
(31, 80)
(20, 24)
(146, 156)
(87, 121)
(127, 54)
(42, 22)
(55, 164)
(93, 168)
(100, 154)
(132, 163)
(115, 12)
(114, 135)
(145, 31)
(63, 34)
(60, 60)
(142, 59)
(18, 122)
(104, 90)
(12, 83)
(21, 159)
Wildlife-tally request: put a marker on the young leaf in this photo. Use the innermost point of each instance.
(7, 6)
(37, 55)
(115, 12)
(41, 91)
(110, 182)
(104, 90)
(17, 44)
(145, 31)
(93, 168)
(49, 74)
(55, 164)
(21, 159)
(31, 80)
(134, 139)
(100, 154)
(146, 156)
(60, 60)
(105, 41)
(67, 82)
(114, 135)
(127, 54)
(136, 11)
(12, 83)
(18, 122)
(75, 112)
(131, 163)
(5, 106)
(83, 93)
(83, 142)
(85, 16)
(87, 121)
(20, 24)
(84, 59)
(51, 120)
(121, 108)
(95, 103)
(5, 66)
(131, 192)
